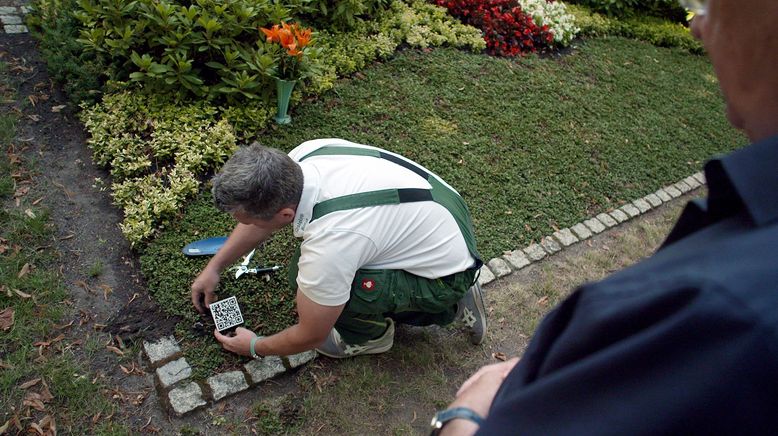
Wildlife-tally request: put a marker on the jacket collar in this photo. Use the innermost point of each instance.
(745, 179)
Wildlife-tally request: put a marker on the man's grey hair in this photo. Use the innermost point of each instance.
(258, 181)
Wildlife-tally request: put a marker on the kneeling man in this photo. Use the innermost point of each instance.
(384, 240)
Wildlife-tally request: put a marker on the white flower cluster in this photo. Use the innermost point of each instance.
(555, 16)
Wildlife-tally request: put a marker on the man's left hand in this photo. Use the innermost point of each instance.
(239, 343)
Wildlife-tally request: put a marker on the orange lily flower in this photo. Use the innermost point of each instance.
(303, 37)
(271, 34)
(286, 39)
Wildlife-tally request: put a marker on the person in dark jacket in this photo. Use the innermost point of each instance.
(685, 342)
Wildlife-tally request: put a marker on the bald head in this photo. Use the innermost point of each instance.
(741, 39)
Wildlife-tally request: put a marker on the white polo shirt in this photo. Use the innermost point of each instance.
(421, 237)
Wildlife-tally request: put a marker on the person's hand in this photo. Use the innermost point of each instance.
(238, 343)
(203, 289)
(493, 371)
(477, 393)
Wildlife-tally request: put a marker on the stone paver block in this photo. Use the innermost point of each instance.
(25, 10)
(663, 195)
(535, 252)
(10, 19)
(673, 191)
(265, 368)
(566, 237)
(299, 359)
(653, 200)
(173, 372)
(499, 267)
(594, 225)
(14, 28)
(619, 215)
(485, 276)
(7, 10)
(161, 349)
(691, 181)
(227, 383)
(683, 187)
(517, 259)
(642, 205)
(581, 231)
(550, 245)
(187, 398)
(700, 177)
(607, 220)
(630, 210)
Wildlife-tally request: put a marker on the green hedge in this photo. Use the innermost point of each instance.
(660, 32)
(667, 9)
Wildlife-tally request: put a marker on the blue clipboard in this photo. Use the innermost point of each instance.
(204, 247)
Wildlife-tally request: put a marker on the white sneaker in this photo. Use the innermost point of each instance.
(472, 312)
(335, 347)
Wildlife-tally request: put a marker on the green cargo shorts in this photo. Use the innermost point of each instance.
(397, 294)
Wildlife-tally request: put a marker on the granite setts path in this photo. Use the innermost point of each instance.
(182, 395)
(11, 19)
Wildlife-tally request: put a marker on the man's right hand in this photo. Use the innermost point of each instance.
(203, 289)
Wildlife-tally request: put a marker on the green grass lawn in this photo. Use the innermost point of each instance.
(532, 144)
(40, 374)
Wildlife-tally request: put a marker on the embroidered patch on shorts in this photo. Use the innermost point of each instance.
(368, 284)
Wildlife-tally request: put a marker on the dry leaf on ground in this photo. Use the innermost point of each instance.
(115, 350)
(24, 271)
(48, 426)
(29, 384)
(49, 342)
(6, 318)
(500, 356)
(22, 294)
(34, 400)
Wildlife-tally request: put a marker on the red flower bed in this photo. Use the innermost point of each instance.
(508, 31)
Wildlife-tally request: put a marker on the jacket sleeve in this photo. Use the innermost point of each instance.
(676, 358)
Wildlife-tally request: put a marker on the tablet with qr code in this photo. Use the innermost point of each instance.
(226, 314)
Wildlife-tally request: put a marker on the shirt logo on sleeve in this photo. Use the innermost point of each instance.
(368, 284)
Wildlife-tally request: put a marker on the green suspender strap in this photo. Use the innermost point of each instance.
(439, 193)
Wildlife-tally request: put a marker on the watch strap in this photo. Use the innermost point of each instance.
(444, 416)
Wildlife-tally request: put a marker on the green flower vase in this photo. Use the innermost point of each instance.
(284, 94)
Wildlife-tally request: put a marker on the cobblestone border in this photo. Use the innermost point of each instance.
(12, 19)
(512, 261)
(181, 395)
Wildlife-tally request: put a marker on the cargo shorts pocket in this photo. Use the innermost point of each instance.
(371, 291)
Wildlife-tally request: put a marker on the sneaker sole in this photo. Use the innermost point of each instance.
(478, 297)
(383, 349)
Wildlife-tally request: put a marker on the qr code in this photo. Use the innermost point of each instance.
(226, 313)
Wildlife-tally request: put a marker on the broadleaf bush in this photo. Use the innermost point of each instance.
(658, 31)
(205, 48)
(82, 76)
(417, 23)
(156, 153)
(668, 9)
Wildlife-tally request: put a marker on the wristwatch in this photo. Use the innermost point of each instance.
(444, 416)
